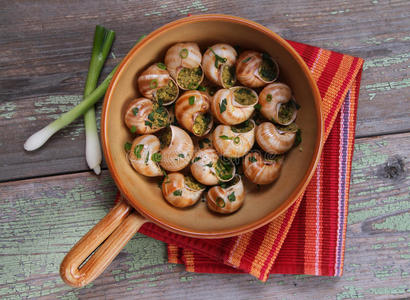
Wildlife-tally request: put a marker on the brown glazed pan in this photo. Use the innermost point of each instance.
(142, 199)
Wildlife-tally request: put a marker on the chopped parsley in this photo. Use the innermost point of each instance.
(252, 159)
(138, 149)
(135, 110)
(153, 84)
(225, 137)
(191, 100)
(247, 59)
(257, 106)
(127, 146)
(177, 193)
(183, 53)
(210, 164)
(269, 98)
(156, 157)
(231, 197)
(218, 59)
(181, 155)
(146, 158)
(133, 129)
(148, 123)
(201, 88)
(161, 66)
(222, 105)
(196, 159)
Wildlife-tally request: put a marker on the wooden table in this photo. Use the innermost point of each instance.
(49, 199)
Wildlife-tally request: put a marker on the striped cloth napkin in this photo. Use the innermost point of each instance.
(309, 238)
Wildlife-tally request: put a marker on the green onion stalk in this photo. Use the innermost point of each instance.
(39, 138)
(103, 40)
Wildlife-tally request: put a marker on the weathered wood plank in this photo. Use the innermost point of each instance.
(46, 46)
(42, 218)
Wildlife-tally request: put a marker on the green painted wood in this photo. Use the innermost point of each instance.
(42, 218)
(45, 48)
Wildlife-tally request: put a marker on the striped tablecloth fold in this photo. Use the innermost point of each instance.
(309, 238)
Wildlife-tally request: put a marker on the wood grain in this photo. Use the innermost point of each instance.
(42, 218)
(45, 48)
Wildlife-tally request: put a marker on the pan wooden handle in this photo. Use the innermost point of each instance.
(100, 245)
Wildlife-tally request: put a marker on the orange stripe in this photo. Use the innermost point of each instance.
(189, 260)
(321, 63)
(239, 249)
(172, 254)
(288, 224)
(334, 87)
(266, 245)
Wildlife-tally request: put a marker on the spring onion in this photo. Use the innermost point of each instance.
(103, 40)
(38, 139)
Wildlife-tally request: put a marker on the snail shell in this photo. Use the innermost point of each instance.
(234, 141)
(206, 167)
(235, 105)
(181, 191)
(276, 104)
(177, 149)
(218, 63)
(142, 116)
(273, 140)
(255, 69)
(226, 200)
(140, 156)
(192, 112)
(261, 170)
(185, 58)
(155, 83)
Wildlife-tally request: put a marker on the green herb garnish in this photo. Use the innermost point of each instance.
(257, 106)
(247, 59)
(210, 164)
(196, 159)
(269, 98)
(225, 137)
(218, 59)
(127, 146)
(252, 159)
(135, 110)
(146, 158)
(148, 123)
(298, 138)
(201, 88)
(222, 105)
(191, 100)
(151, 116)
(161, 66)
(153, 84)
(231, 197)
(236, 140)
(220, 202)
(181, 155)
(156, 157)
(183, 53)
(133, 129)
(138, 149)
(177, 193)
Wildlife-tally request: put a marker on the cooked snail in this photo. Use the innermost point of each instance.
(227, 198)
(218, 63)
(155, 83)
(235, 105)
(234, 141)
(180, 190)
(143, 116)
(144, 155)
(192, 112)
(273, 139)
(176, 149)
(208, 168)
(277, 103)
(262, 170)
(183, 61)
(255, 69)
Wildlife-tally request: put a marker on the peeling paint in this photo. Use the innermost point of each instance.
(7, 110)
(386, 61)
(195, 5)
(395, 223)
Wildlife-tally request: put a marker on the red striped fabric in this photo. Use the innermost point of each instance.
(309, 237)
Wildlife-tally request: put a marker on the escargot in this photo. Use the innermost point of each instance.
(176, 149)
(234, 141)
(255, 69)
(277, 103)
(208, 168)
(142, 116)
(180, 190)
(144, 155)
(156, 83)
(218, 63)
(183, 61)
(226, 198)
(275, 140)
(262, 170)
(235, 105)
(192, 112)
